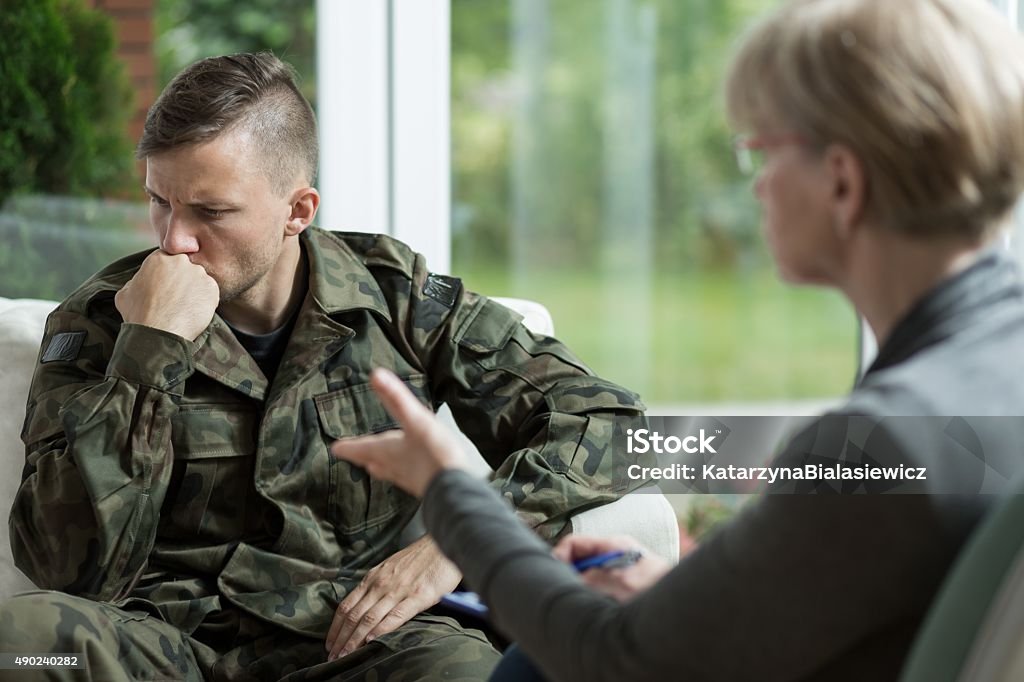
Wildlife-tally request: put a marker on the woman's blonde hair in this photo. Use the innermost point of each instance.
(929, 94)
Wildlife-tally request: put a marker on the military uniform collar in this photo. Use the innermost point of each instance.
(338, 279)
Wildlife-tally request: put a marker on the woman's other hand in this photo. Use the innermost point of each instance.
(621, 584)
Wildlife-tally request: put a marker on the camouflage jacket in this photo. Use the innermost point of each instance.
(168, 473)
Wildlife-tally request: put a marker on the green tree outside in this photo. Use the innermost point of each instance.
(65, 105)
(189, 30)
(66, 101)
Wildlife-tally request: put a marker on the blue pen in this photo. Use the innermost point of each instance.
(616, 559)
(469, 602)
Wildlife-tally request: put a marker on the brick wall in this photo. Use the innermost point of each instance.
(133, 25)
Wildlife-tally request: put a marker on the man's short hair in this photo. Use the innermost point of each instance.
(254, 93)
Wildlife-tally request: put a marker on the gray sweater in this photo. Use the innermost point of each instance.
(797, 587)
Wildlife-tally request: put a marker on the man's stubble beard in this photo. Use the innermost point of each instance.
(257, 266)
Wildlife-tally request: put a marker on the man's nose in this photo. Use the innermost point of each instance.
(179, 237)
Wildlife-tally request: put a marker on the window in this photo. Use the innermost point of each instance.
(592, 171)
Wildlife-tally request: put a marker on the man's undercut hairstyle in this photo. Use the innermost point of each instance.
(251, 93)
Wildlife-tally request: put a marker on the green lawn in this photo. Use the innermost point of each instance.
(696, 337)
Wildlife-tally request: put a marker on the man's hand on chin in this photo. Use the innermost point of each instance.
(404, 584)
(169, 293)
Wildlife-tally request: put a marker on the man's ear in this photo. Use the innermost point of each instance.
(847, 188)
(304, 203)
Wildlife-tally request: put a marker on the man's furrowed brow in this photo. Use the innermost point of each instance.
(201, 202)
(204, 202)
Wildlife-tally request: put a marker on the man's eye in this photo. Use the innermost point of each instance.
(157, 200)
(213, 212)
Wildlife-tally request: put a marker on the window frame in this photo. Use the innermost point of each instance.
(383, 93)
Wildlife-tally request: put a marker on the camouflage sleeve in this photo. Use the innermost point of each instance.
(539, 417)
(98, 455)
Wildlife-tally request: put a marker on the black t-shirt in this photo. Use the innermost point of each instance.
(268, 349)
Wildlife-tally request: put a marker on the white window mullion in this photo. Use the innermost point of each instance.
(383, 105)
(353, 110)
(421, 123)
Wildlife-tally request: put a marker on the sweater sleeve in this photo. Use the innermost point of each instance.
(534, 598)
(792, 585)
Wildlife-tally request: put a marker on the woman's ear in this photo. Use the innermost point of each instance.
(847, 188)
(304, 203)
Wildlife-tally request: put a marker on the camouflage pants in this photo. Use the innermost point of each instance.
(119, 644)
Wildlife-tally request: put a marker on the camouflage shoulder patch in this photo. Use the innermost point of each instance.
(63, 347)
(442, 288)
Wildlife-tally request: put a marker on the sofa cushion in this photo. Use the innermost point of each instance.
(21, 330)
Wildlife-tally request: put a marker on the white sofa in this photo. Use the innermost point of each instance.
(647, 516)
(21, 330)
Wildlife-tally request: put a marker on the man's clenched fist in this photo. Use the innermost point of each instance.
(169, 293)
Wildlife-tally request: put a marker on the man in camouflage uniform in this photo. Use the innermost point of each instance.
(179, 504)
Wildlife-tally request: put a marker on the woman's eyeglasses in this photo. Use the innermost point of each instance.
(747, 149)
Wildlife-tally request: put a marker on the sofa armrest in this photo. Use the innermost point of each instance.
(644, 514)
(21, 331)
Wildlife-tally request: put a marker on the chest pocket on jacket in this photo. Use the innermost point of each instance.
(214, 455)
(355, 501)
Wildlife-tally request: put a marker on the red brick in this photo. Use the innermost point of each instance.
(133, 26)
(144, 97)
(134, 31)
(141, 66)
(134, 49)
(135, 5)
(135, 128)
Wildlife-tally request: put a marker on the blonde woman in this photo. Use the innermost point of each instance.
(892, 136)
